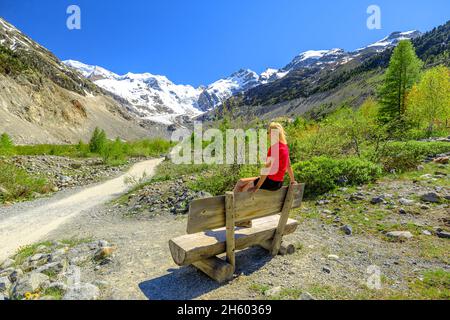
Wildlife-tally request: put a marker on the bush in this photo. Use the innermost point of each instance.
(17, 184)
(322, 174)
(6, 144)
(402, 156)
(114, 153)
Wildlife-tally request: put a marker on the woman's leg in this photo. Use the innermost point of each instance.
(244, 185)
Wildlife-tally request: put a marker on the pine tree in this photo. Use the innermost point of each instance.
(98, 141)
(402, 73)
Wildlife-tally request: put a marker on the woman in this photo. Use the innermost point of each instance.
(278, 162)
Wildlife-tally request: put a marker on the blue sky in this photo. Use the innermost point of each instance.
(199, 41)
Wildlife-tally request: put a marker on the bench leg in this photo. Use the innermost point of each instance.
(216, 269)
(285, 247)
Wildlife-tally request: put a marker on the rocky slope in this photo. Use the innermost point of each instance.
(43, 101)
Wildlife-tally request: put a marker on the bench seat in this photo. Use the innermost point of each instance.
(191, 248)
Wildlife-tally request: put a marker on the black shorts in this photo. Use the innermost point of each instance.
(270, 185)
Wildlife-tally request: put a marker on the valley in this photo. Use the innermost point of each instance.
(90, 193)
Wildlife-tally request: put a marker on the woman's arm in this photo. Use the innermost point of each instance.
(291, 172)
(263, 177)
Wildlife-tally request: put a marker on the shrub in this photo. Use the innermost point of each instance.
(322, 174)
(114, 153)
(402, 156)
(17, 184)
(6, 144)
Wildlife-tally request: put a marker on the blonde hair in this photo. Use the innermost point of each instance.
(281, 132)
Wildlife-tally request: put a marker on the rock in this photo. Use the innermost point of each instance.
(402, 211)
(427, 176)
(431, 197)
(103, 253)
(5, 284)
(52, 267)
(273, 292)
(84, 291)
(326, 269)
(306, 296)
(442, 160)
(376, 200)
(76, 165)
(426, 232)
(333, 257)
(406, 202)
(15, 275)
(103, 243)
(7, 263)
(328, 212)
(347, 230)
(30, 283)
(420, 168)
(399, 235)
(38, 257)
(443, 234)
(203, 194)
(2, 297)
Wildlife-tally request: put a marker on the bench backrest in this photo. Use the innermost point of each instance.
(209, 213)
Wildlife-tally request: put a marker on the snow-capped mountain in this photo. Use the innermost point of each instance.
(156, 98)
(391, 40)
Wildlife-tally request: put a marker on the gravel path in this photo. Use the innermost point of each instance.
(24, 224)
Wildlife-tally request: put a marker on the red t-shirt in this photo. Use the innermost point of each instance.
(280, 162)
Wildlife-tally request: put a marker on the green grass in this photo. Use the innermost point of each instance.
(56, 293)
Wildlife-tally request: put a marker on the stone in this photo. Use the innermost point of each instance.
(103, 243)
(306, 296)
(399, 235)
(426, 176)
(420, 168)
(347, 230)
(376, 200)
(2, 297)
(52, 267)
(326, 269)
(406, 202)
(29, 283)
(402, 211)
(333, 257)
(443, 234)
(83, 291)
(442, 160)
(327, 212)
(104, 253)
(38, 256)
(15, 275)
(5, 284)
(431, 197)
(426, 232)
(7, 263)
(273, 292)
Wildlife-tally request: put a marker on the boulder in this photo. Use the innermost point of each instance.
(406, 202)
(6, 264)
(83, 291)
(443, 234)
(306, 296)
(430, 197)
(347, 230)
(399, 235)
(5, 284)
(273, 292)
(29, 283)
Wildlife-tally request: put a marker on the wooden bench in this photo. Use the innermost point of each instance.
(212, 231)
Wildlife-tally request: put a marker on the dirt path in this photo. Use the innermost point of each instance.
(22, 225)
